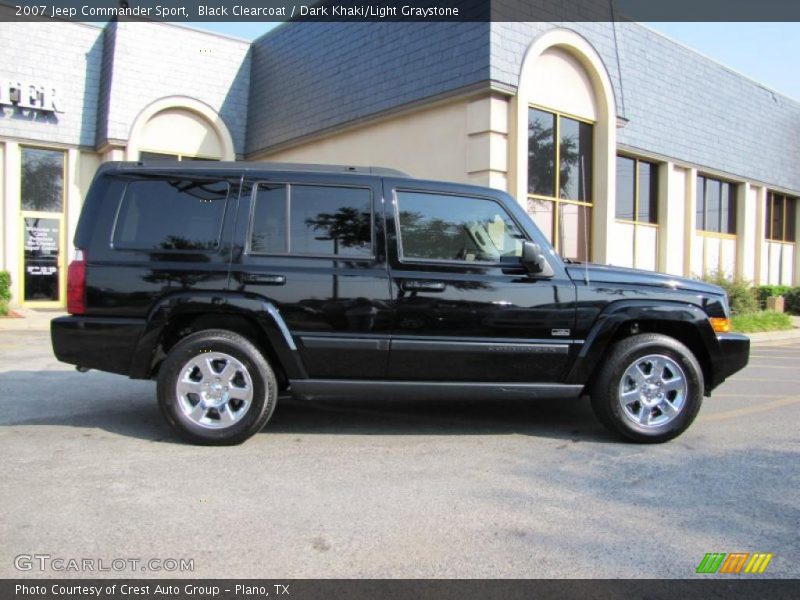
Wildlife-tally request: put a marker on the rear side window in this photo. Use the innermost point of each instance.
(312, 220)
(171, 214)
(456, 228)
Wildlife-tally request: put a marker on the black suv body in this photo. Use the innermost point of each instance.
(229, 282)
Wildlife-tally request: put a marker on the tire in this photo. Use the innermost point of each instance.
(649, 390)
(215, 388)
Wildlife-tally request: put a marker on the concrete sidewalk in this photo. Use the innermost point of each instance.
(29, 319)
(39, 320)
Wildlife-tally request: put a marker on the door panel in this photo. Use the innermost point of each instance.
(463, 308)
(316, 250)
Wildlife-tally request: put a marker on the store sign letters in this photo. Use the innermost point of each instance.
(28, 95)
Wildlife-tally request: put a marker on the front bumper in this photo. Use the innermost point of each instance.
(734, 353)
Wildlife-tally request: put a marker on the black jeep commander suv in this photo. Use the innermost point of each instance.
(230, 282)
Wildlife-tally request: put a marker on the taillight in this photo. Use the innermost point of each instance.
(76, 284)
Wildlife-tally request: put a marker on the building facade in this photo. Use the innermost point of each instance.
(625, 147)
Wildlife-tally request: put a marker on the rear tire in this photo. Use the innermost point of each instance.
(649, 390)
(216, 388)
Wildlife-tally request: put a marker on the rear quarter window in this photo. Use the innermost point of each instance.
(171, 214)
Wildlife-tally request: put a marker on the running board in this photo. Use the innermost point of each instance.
(314, 389)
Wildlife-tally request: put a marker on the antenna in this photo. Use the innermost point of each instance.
(585, 229)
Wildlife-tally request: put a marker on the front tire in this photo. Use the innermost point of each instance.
(649, 390)
(216, 388)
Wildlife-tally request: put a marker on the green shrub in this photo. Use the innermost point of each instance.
(3, 308)
(741, 294)
(792, 301)
(5, 286)
(765, 320)
(770, 291)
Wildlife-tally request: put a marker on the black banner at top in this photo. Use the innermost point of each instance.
(401, 10)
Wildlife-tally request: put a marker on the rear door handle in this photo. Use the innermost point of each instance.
(417, 285)
(264, 278)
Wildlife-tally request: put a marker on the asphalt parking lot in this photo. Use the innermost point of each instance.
(394, 489)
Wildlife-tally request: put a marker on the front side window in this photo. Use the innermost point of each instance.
(780, 218)
(442, 227)
(560, 166)
(312, 220)
(716, 206)
(171, 214)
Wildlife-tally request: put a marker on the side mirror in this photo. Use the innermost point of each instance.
(534, 261)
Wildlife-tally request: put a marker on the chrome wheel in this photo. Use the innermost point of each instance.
(214, 390)
(653, 390)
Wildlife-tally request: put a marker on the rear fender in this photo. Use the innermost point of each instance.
(261, 310)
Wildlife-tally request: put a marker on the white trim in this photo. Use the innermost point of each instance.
(605, 131)
(179, 102)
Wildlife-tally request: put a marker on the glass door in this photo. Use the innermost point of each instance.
(43, 232)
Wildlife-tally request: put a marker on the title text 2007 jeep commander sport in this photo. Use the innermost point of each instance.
(230, 282)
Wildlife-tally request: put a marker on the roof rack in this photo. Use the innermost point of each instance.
(259, 166)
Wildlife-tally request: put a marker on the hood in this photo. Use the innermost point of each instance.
(626, 276)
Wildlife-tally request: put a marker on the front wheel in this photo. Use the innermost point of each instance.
(649, 390)
(216, 388)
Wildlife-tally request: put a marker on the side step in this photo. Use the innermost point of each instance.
(313, 389)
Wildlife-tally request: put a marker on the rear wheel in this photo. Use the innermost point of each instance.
(649, 390)
(216, 388)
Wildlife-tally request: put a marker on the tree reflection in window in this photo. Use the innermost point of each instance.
(171, 215)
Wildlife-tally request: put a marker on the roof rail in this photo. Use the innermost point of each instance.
(259, 166)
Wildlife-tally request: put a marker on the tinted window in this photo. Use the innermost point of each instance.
(322, 220)
(575, 158)
(42, 180)
(541, 153)
(716, 205)
(269, 220)
(648, 192)
(171, 214)
(625, 188)
(440, 227)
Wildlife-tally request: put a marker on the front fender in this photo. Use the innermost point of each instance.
(257, 308)
(624, 312)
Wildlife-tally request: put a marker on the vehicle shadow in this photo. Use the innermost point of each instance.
(124, 407)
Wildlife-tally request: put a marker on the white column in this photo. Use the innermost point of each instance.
(671, 219)
(3, 222)
(746, 227)
(487, 142)
(796, 259)
(689, 237)
(73, 199)
(12, 220)
(760, 275)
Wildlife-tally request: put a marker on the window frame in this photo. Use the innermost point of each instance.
(198, 251)
(734, 187)
(768, 221)
(444, 261)
(248, 250)
(556, 199)
(64, 246)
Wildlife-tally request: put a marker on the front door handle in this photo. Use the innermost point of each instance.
(264, 278)
(417, 285)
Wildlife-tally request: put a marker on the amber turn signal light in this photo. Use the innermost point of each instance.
(720, 325)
